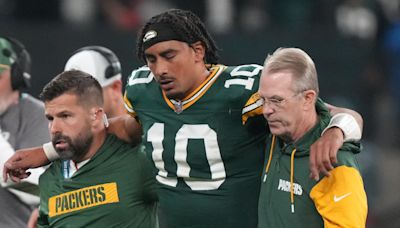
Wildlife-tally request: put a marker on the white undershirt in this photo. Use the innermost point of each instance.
(73, 167)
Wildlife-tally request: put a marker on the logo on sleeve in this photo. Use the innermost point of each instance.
(338, 198)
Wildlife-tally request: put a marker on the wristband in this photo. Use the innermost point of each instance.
(348, 124)
(50, 152)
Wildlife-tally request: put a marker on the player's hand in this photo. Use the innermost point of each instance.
(323, 152)
(17, 165)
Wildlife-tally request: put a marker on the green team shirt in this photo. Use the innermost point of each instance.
(275, 197)
(116, 188)
(208, 149)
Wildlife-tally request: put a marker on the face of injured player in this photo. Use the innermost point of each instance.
(69, 126)
(177, 66)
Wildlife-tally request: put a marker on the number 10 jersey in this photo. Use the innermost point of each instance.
(208, 149)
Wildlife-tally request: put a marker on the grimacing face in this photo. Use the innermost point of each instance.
(69, 126)
(172, 63)
(282, 105)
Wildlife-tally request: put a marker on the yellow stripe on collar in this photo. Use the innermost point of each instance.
(198, 92)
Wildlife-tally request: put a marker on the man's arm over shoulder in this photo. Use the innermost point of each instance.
(17, 165)
(125, 128)
(345, 125)
(346, 115)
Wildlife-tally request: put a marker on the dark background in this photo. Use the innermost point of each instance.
(354, 43)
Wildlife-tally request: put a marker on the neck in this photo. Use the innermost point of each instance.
(10, 99)
(118, 110)
(201, 75)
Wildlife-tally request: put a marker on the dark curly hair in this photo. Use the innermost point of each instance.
(186, 24)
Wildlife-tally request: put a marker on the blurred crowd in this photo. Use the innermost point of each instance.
(370, 25)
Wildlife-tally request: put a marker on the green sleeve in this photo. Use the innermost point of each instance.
(43, 219)
(149, 182)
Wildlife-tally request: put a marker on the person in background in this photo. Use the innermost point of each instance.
(22, 124)
(288, 197)
(102, 64)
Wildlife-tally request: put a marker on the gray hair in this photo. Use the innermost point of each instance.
(299, 63)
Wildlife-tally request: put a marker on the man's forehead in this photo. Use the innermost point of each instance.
(275, 85)
(66, 99)
(283, 78)
(164, 46)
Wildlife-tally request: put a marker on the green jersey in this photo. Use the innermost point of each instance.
(289, 198)
(208, 148)
(115, 188)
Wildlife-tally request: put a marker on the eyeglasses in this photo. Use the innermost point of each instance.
(277, 102)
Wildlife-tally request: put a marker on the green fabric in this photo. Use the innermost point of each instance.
(6, 60)
(274, 203)
(210, 128)
(115, 162)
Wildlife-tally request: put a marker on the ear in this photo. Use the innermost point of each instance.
(199, 50)
(310, 96)
(97, 118)
(117, 85)
(113, 91)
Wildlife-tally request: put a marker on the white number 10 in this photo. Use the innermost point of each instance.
(155, 135)
(249, 81)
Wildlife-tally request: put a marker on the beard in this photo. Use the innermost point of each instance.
(76, 148)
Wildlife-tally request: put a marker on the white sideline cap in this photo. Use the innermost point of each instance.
(96, 64)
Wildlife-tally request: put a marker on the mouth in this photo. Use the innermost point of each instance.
(166, 84)
(60, 144)
(273, 123)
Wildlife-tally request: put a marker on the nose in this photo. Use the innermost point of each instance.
(267, 109)
(160, 68)
(54, 126)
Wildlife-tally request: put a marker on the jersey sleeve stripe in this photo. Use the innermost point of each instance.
(252, 108)
(128, 106)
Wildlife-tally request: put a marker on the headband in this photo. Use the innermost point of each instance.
(160, 32)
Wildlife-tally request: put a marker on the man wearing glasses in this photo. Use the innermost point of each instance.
(296, 119)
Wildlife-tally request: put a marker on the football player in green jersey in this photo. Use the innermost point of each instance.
(200, 123)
